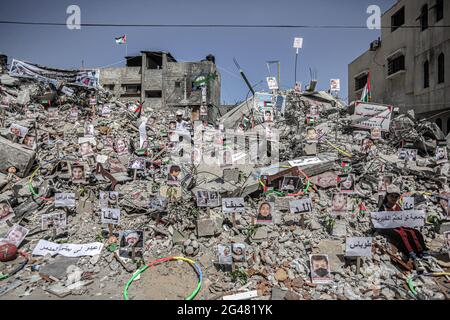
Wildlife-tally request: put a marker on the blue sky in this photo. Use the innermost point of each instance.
(326, 50)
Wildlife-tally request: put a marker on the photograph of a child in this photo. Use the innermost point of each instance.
(109, 199)
(366, 145)
(290, 184)
(6, 212)
(78, 173)
(172, 125)
(16, 235)
(29, 141)
(18, 131)
(320, 268)
(268, 116)
(339, 203)
(314, 110)
(86, 149)
(108, 143)
(347, 183)
(174, 175)
(384, 182)
(121, 147)
(226, 158)
(311, 135)
(88, 130)
(225, 256)
(202, 198)
(441, 154)
(131, 238)
(213, 199)
(238, 252)
(264, 213)
(56, 221)
(375, 133)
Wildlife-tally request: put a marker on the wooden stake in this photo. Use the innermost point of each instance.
(302, 221)
(233, 218)
(135, 174)
(358, 265)
(110, 227)
(133, 253)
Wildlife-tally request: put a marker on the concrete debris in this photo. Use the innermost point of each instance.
(114, 185)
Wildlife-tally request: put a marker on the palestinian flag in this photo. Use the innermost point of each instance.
(138, 111)
(367, 94)
(121, 40)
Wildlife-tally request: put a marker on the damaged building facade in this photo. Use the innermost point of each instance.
(409, 67)
(160, 81)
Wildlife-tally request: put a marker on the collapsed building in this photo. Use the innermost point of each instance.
(279, 199)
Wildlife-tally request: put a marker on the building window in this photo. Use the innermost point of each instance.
(441, 68)
(177, 84)
(131, 90)
(426, 74)
(154, 60)
(360, 82)
(396, 64)
(109, 87)
(439, 123)
(424, 17)
(398, 19)
(439, 10)
(153, 94)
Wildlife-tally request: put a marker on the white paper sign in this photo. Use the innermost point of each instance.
(358, 247)
(298, 43)
(111, 215)
(67, 249)
(64, 200)
(395, 219)
(304, 162)
(300, 206)
(372, 115)
(230, 205)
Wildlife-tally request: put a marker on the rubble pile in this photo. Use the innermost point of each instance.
(96, 190)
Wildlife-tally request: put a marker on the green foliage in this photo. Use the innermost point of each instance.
(239, 275)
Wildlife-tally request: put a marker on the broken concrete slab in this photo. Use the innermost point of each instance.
(14, 154)
(206, 227)
(58, 267)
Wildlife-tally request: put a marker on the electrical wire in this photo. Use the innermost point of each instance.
(263, 26)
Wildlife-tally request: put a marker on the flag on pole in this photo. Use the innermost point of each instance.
(121, 40)
(367, 94)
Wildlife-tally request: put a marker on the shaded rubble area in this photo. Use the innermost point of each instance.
(54, 166)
